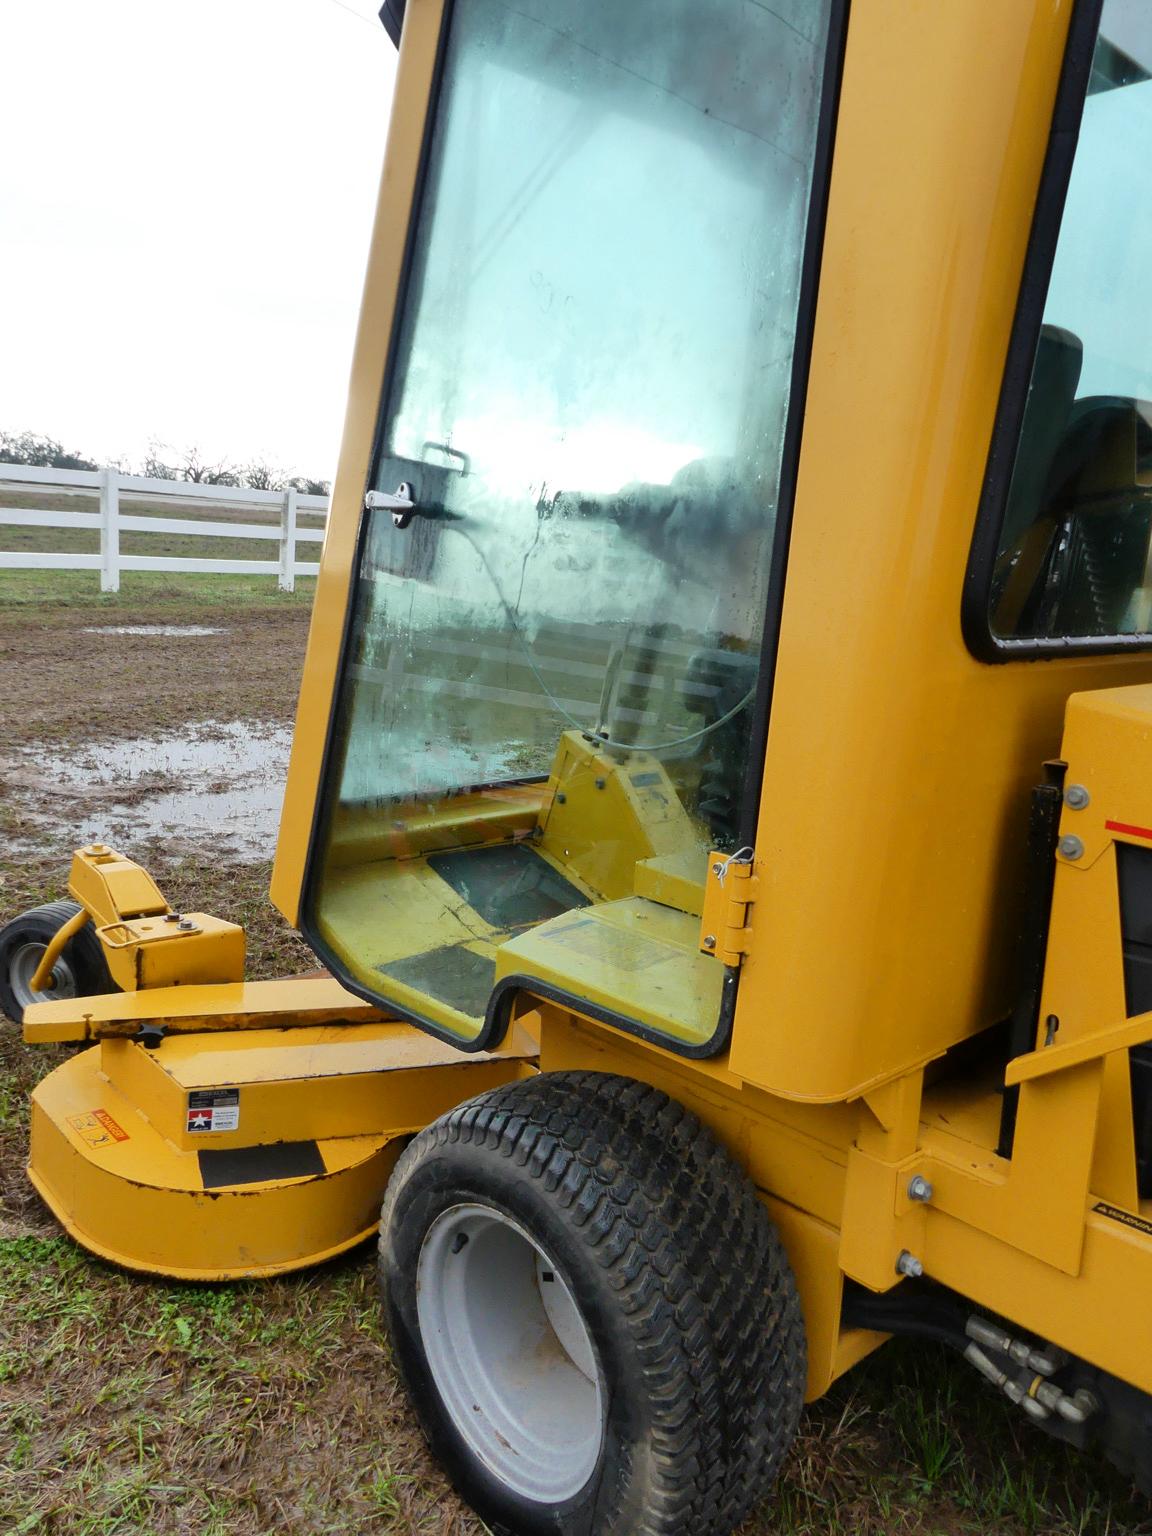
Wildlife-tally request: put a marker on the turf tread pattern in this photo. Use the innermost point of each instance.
(700, 1273)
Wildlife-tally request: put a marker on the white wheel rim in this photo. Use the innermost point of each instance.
(509, 1353)
(22, 967)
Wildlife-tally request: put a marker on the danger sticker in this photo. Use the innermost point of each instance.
(98, 1128)
(214, 1109)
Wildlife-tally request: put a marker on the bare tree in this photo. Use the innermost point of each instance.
(156, 465)
(196, 468)
(260, 476)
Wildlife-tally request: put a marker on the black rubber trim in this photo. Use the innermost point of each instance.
(794, 425)
(260, 1165)
(493, 1030)
(975, 604)
(498, 1015)
(509, 988)
(392, 19)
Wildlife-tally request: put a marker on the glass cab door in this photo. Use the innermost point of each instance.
(545, 716)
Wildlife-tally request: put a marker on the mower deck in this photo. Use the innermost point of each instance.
(220, 1156)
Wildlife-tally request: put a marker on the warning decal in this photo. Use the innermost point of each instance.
(98, 1128)
(1137, 1223)
(214, 1109)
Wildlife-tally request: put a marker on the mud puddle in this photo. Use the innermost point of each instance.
(178, 631)
(212, 784)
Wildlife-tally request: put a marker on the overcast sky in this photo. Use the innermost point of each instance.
(186, 193)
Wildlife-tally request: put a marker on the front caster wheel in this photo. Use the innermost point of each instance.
(592, 1312)
(80, 971)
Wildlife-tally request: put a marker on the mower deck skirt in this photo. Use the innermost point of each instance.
(219, 1157)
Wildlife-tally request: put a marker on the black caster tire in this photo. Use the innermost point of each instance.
(81, 970)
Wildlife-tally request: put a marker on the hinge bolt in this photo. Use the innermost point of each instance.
(709, 941)
(908, 1264)
(1071, 847)
(1076, 797)
(919, 1188)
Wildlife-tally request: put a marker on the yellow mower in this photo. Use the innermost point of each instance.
(721, 798)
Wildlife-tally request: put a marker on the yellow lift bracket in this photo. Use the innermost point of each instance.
(145, 943)
(196, 1009)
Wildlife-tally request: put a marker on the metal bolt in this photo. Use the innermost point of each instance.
(1071, 847)
(1076, 797)
(919, 1188)
(709, 941)
(600, 783)
(186, 924)
(561, 797)
(908, 1264)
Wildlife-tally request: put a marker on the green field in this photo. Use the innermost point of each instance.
(137, 1408)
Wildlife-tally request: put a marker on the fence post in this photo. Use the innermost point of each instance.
(288, 543)
(110, 531)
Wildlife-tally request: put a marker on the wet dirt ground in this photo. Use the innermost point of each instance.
(157, 731)
(213, 781)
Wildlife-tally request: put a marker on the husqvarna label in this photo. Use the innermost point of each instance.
(214, 1109)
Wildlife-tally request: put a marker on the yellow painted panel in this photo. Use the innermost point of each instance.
(895, 798)
(305, 1084)
(673, 879)
(1085, 1314)
(231, 1005)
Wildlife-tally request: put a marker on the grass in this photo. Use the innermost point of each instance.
(174, 598)
(131, 1407)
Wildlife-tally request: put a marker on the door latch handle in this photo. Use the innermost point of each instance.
(399, 502)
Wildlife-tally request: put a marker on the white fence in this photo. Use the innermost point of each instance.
(114, 489)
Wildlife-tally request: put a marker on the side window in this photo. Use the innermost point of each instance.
(1073, 562)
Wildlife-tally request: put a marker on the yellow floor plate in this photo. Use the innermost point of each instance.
(632, 957)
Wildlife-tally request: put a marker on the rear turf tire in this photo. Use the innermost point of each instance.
(81, 970)
(592, 1312)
